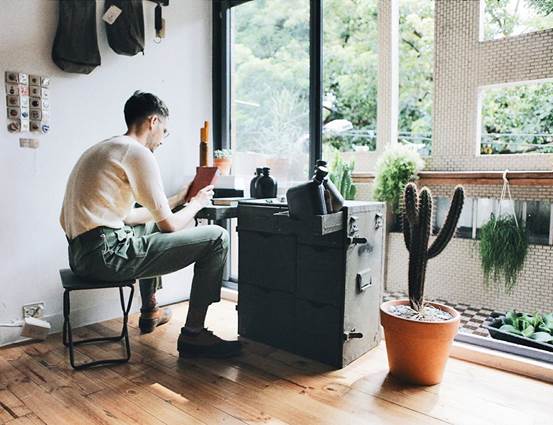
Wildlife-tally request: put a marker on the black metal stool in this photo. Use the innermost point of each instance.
(72, 282)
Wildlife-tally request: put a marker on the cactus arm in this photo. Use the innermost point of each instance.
(406, 232)
(450, 225)
(416, 290)
(411, 209)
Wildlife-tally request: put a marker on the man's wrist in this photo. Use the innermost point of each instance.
(195, 205)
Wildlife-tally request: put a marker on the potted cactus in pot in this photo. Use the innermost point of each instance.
(418, 333)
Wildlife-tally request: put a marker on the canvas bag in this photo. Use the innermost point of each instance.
(126, 34)
(76, 44)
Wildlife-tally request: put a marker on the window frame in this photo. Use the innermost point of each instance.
(221, 73)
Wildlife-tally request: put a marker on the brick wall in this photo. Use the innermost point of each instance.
(463, 66)
(456, 276)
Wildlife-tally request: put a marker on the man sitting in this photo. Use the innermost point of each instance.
(110, 240)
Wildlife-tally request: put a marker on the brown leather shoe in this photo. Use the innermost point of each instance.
(149, 320)
(205, 344)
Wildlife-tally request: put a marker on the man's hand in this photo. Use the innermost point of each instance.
(178, 199)
(179, 220)
(204, 196)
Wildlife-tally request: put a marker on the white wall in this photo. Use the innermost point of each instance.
(84, 110)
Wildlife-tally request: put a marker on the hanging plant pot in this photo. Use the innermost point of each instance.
(503, 250)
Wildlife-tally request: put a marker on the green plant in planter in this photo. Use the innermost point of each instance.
(417, 217)
(397, 166)
(341, 176)
(538, 327)
(503, 250)
(222, 153)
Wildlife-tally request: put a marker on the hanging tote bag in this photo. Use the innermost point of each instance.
(126, 33)
(76, 44)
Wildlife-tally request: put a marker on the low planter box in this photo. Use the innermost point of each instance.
(496, 320)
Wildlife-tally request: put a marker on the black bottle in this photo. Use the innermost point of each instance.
(308, 199)
(253, 182)
(333, 198)
(266, 185)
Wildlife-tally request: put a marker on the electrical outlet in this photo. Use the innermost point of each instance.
(35, 310)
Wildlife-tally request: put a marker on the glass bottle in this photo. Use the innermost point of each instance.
(266, 185)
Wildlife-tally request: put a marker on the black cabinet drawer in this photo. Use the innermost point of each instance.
(320, 274)
(318, 332)
(267, 260)
(266, 316)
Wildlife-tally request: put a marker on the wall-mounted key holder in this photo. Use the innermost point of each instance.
(35, 126)
(12, 90)
(24, 112)
(36, 114)
(14, 113)
(35, 91)
(27, 102)
(23, 89)
(14, 126)
(34, 80)
(12, 77)
(13, 101)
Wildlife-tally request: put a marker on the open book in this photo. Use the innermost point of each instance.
(204, 177)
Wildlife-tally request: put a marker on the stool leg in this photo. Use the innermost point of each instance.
(126, 310)
(67, 333)
(65, 316)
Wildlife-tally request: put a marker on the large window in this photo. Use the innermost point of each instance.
(517, 119)
(505, 18)
(416, 57)
(350, 66)
(269, 91)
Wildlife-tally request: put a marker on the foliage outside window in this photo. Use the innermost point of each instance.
(270, 88)
(416, 57)
(350, 55)
(350, 74)
(505, 18)
(517, 119)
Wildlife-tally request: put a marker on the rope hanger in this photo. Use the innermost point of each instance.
(507, 191)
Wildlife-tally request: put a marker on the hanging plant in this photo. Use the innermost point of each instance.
(503, 249)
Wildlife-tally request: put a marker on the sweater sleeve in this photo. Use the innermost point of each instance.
(145, 180)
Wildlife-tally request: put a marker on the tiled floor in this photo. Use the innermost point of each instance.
(472, 317)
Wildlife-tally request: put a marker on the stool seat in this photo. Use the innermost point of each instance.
(70, 280)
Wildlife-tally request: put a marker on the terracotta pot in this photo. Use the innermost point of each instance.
(223, 164)
(418, 351)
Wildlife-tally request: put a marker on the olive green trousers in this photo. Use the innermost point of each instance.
(143, 252)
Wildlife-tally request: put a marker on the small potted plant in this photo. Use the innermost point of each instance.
(397, 166)
(419, 334)
(222, 159)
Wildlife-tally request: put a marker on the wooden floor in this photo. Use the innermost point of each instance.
(264, 385)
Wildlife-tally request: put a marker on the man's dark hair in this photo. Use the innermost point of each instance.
(141, 105)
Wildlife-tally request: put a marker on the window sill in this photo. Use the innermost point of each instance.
(504, 361)
(516, 178)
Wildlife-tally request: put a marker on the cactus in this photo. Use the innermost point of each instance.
(417, 217)
(341, 176)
